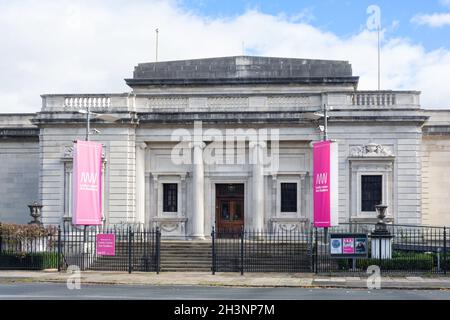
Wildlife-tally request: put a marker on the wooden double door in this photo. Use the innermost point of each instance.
(229, 207)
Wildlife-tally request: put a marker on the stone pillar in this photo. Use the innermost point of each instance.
(140, 183)
(198, 216)
(257, 149)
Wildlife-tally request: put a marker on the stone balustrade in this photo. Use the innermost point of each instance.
(95, 102)
(264, 102)
(103, 102)
(377, 98)
(366, 100)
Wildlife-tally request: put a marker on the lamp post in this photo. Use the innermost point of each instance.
(316, 116)
(319, 114)
(102, 116)
(105, 117)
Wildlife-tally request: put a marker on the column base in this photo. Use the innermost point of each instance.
(197, 237)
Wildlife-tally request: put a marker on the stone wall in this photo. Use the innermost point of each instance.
(19, 176)
(436, 180)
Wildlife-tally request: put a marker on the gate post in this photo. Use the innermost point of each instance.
(129, 249)
(242, 252)
(213, 251)
(316, 249)
(445, 250)
(158, 250)
(1, 237)
(59, 248)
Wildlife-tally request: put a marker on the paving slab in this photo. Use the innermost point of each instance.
(225, 279)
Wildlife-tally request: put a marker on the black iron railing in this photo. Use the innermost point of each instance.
(415, 249)
(135, 249)
(261, 251)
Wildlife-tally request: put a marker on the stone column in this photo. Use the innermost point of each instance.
(198, 216)
(257, 149)
(140, 182)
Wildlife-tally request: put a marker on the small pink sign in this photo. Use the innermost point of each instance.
(106, 244)
(348, 245)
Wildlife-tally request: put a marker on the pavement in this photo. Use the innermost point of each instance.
(60, 291)
(225, 279)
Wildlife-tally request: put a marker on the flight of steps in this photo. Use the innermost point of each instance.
(182, 255)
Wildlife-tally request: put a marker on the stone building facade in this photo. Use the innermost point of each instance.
(390, 149)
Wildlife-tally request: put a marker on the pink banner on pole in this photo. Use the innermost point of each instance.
(325, 184)
(87, 183)
(106, 244)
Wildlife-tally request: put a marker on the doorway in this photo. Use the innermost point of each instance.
(229, 207)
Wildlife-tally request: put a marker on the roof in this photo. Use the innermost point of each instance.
(243, 69)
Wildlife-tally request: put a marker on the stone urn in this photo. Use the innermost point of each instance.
(35, 212)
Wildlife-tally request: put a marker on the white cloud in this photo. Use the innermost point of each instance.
(445, 3)
(435, 20)
(91, 46)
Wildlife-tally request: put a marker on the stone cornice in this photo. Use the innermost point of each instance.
(436, 130)
(244, 81)
(19, 133)
(267, 117)
(58, 118)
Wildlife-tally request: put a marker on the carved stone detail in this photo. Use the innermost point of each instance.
(371, 150)
(226, 102)
(288, 226)
(289, 102)
(169, 226)
(68, 152)
(167, 103)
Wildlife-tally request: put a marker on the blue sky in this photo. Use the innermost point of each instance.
(342, 17)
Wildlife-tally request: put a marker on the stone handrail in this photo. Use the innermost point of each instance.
(96, 102)
(377, 98)
(87, 101)
(262, 102)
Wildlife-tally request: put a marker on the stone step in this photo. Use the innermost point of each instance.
(184, 253)
(186, 258)
(186, 269)
(184, 262)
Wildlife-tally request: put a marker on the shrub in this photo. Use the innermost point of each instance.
(28, 261)
(26, 231)
(399, 262)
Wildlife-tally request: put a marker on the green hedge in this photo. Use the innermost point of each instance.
(399, 261)
(28, 261)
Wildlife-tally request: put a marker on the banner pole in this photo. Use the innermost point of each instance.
(88, 122)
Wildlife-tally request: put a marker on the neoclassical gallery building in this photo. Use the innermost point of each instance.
(226, 143)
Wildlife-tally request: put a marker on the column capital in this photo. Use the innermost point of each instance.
(142, 146)
(197, 144)
(254, 144)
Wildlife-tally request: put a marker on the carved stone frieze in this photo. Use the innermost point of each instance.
(371, 150)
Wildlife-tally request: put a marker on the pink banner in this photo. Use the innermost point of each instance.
(106, 244)
(87, 183)
(325, 184)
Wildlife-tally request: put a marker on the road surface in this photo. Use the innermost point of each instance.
(51, 291)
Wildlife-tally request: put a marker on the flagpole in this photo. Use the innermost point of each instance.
(379, 59)
(88, 122)
(157, 34)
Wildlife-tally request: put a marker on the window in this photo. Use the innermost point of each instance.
(288, 197)
(371, 192)
(170, 197)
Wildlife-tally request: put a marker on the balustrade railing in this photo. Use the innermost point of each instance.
(83, 102)
(376, 98)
